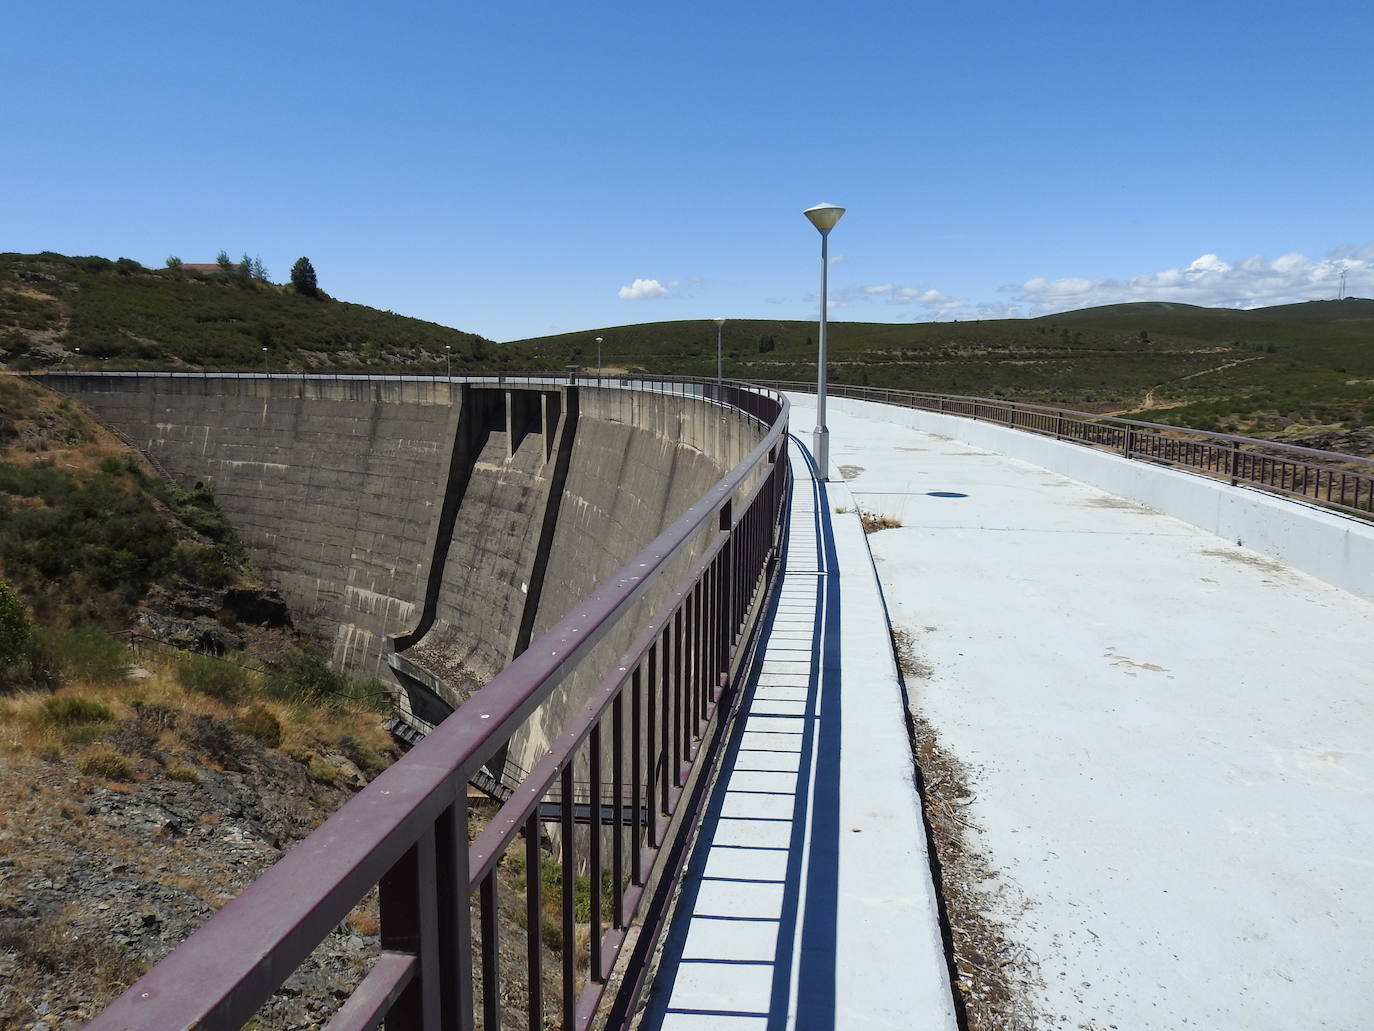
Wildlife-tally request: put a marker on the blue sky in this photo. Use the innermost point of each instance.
(522, 169)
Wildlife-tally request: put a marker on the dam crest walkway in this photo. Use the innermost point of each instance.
(811, 871)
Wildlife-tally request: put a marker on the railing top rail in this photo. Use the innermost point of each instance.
(273, 925)
(1255, 442)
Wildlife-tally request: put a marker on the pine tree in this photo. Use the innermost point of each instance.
(303, 277)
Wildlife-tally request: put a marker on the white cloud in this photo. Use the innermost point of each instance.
(1252, 282)
(937, 305)
(931, 299)
(838, 259)
(642, 289)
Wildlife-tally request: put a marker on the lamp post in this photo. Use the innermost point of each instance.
(264, 362)
(720, 325)
(823, 217)
(448, 361)
(598, 359)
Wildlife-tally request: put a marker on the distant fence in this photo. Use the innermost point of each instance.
(642, 739)
(1328, 478)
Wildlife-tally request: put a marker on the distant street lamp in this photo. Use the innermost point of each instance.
(720, 325)
(264, 362)
(598, 359)
(823, 217)
(448, 361)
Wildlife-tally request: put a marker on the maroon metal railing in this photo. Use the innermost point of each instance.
(647, 732)
(1327, 478)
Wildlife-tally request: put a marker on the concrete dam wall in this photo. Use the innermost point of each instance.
(449, 523)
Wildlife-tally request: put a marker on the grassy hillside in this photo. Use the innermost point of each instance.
(1301, 372)
(91, 310)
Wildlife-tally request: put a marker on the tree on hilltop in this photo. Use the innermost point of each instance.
(303, 277)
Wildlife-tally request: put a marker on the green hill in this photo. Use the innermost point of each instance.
(1300, 372)
(86, 310)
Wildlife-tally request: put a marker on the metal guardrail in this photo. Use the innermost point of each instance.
(1338, 481)
(648, 731)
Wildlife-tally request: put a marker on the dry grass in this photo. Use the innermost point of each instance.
(366, 918)
(904, 647)
(873, 522)
(29, 729)
(996, 977)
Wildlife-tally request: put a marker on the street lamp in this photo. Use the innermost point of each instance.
(720, 325)
(264, 362)
(448, 361)
(823, 217)
(598, 359)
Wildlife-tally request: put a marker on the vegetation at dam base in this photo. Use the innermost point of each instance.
(146, 783)
(1301, 373)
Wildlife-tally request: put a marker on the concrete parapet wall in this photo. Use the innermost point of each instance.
(1334, 548)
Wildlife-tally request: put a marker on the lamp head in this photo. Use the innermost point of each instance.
(720, 322)
(598, 340)
(824, 216)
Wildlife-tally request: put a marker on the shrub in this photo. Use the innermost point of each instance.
(258, 722)
(306, 677)
(321, 772)
(84, 734)
(103, 762)
(73, 710)
(184, 772)
(363, 756)
(81, 653)
(213, 677)
(16, 632)
(201, 566)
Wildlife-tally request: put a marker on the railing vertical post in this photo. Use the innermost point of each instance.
(410, 924)
(534, 910)
(618, 812)
(569, 892)
(636, 772)
(1235, 462)
(594, 813)
(491, 955)
(455, 928)
(724, 608)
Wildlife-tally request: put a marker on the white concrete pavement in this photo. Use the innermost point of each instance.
(1169, 735)
(808, 902)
